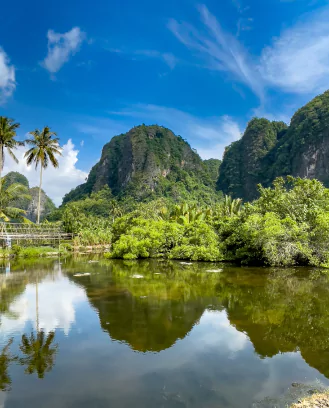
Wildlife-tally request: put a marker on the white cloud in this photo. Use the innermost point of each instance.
(209, 136)
(7, 77)
(56, 182)
(222, 50)
(297, 61)
(61, 47)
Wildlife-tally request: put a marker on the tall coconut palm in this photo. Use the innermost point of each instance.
(8, 196)
(7, 140)
(44, 150)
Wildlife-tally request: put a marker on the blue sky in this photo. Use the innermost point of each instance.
(91, 70)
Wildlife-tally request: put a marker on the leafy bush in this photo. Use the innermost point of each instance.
(287, 225)
(198, 243)
(145, 239)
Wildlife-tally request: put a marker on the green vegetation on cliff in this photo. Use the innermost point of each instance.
(213, 168)
(242, 163)
(304, 149)
(271, 149)
(150, 162)
(30, 203)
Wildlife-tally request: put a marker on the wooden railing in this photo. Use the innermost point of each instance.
(32, 232)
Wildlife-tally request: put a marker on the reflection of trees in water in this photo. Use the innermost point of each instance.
(281, 310)
(151, 313)
(5, 360)
(285, 311)
(38, 350)
(39, 353)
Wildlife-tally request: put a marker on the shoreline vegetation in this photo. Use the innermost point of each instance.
(50, 251)
(173, 215)
(288, 225)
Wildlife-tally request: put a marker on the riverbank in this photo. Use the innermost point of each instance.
(315, 401)
(49, 251)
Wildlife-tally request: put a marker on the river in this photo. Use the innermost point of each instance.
(81, 333)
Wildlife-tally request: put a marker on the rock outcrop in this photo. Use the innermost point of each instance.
(271, 149)
(147, 161)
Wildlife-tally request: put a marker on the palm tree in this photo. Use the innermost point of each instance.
(44, 150)
(185, 213)
(229, 206)
(7, 196)
(39, 353)
(7, 140)
(116, 210)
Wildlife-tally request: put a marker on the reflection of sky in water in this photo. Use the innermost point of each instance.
(214, 365)
(57, 300)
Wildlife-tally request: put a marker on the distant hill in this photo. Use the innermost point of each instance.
(30, 205)
(271, 149)
(213, 166)
(149, 162)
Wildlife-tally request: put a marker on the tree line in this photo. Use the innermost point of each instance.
(44, 149)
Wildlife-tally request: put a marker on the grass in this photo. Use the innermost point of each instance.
(35, 252)
(31, 252)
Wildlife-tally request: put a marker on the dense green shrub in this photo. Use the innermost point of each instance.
(287, 225)
(145, 238)
(198, 243)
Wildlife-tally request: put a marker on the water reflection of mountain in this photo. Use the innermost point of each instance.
(283, 311)
(150, 305)
(280, 310)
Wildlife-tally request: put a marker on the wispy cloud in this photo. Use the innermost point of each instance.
(61, 47)
(167, 57)
(100, 128)
(209, 136)
(222, 50)
(297, 61)
(7, 77)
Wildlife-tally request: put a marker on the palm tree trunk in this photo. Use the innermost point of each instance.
(37, 303)
(1, 164)
(39, 203)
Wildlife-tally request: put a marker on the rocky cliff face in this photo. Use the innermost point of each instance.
(46, 205)
(143, 162)
(304, 149)
(30, 205)
(243, 160)
(271, 149)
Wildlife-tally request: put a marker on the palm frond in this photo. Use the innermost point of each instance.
(12, 155)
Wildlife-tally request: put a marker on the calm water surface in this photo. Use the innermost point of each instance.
(159, 334)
